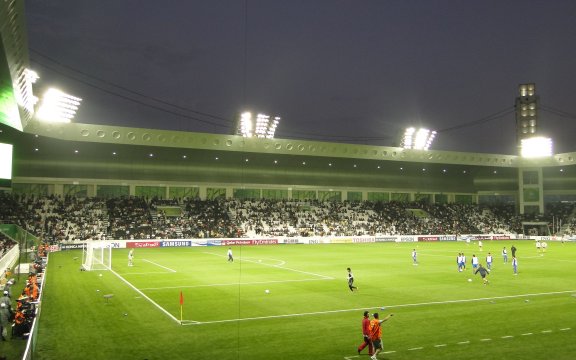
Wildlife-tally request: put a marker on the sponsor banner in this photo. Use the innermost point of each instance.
(314, 240)
(214, 243)
(407, 238)
(143, 244)
(341, 241)
(291, 241)
(386, 239)
(427, 238)
(477, 237)
(182, 243)
(250, 242)
(501, 237)
(53, 248)
(447, 238)
(363, 239)
(72, 246)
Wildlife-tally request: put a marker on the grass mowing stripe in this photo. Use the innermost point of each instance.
(233, 284)
(144, 273)
(185, 322)
(467, 342)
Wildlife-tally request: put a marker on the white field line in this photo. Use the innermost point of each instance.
(162, 266)
(233, 284)
(144, 273)
(191, 322)
(277, 266)
(146, 297)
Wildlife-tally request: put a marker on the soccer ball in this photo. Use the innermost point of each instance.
(267, 291)
(469, 280)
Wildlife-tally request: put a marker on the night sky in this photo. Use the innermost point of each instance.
(356, 71)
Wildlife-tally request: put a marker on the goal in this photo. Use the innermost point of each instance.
(97, 255)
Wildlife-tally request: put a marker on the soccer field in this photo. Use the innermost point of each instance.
(308, 311)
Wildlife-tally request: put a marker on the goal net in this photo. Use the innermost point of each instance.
(97, 255)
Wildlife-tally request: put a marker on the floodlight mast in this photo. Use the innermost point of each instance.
(261, 127)
(420, 139)
(57, 106)
(537, 146)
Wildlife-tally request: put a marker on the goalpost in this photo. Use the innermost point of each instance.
(97, 255)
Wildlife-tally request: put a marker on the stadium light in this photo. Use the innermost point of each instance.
(262, 127)
(57, 106)
(31, 76)
(417, 139)
(536, 147)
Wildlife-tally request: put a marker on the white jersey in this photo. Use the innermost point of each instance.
(474, 260)
(489, 258)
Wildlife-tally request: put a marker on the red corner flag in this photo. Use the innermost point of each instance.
(181, 303)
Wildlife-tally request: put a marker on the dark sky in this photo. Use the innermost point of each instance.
(356, 71)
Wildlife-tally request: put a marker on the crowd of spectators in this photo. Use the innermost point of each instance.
(327, 218)
(67, 218)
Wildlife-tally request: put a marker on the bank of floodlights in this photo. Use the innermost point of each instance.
(417, 139)
(536, 147)
(57, 106)
(263, 126)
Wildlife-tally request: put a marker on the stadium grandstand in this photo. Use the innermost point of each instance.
(66, 184)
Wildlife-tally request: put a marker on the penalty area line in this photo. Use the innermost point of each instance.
(276, 266)
(162, 266)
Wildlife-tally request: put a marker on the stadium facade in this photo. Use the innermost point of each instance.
(97, 160)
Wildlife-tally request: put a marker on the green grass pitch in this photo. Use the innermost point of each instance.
(309, 313)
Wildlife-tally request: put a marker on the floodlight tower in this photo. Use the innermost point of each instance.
(57, 106)
(417, 139)
(526, 105)
(262, 127)
(531, 144)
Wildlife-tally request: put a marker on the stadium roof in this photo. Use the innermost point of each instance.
(96, 153)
